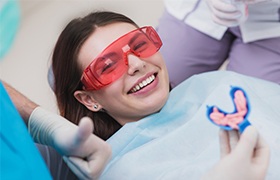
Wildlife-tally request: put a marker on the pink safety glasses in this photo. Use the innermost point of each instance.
(112, 62)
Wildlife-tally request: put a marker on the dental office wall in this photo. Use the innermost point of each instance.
(26, 64)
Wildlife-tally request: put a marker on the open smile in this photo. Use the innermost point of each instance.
(143, 84)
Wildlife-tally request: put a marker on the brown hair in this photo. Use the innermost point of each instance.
(67, 72)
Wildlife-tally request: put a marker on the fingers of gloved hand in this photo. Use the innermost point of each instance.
(81, 168)
(222, 6)
(225, 22)
(224, 143)
(227, 16)
(85, 130)
(224, 13)
(228, 141)
(255, 1)
(262, 152)
(75, 169)
(233, 138)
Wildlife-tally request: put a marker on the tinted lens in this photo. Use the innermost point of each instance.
(111, 63)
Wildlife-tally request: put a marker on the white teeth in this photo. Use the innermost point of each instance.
(143, 84)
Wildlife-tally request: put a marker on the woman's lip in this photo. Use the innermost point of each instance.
(141, 79)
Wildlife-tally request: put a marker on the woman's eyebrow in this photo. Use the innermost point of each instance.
(131, 41)
(108, 55)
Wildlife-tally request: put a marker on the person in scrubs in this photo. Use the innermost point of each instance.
(200, 35)
(85, 153)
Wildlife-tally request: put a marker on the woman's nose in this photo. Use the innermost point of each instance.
(135, 64)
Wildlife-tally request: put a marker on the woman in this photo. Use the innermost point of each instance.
(109, 69)
(118, 102)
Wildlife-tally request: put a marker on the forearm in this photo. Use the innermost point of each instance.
(24, 105)
(42, 125)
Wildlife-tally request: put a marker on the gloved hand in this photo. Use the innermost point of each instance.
(246, 159)
(257, 1)
(227, 12)
(84, 153)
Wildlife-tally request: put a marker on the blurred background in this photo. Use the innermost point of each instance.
(25, 64)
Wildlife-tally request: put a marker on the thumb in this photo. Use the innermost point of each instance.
(247, 143)
(262, 152)
(85, 129)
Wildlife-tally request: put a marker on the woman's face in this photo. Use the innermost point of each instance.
(118, 98)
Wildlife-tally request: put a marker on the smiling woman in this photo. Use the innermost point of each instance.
(111, 89)
(138, 59)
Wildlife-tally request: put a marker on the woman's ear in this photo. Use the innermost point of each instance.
(87, 100)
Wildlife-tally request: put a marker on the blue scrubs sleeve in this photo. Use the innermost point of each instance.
(20, 159)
